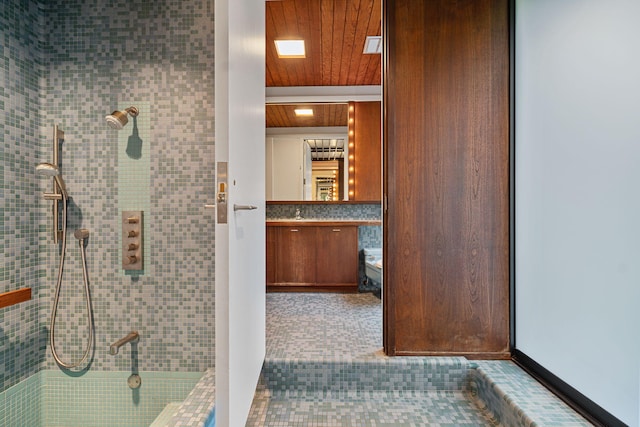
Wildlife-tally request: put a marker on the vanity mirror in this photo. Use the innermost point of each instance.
(307, 152)
(313, 152)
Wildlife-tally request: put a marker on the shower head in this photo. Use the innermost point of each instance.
(118, 119)
(48, 169)
(81, 234)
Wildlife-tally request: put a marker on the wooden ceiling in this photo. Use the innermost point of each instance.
(334, 32)
(282, 115)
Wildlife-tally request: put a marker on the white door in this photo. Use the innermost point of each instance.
(287, 175)
(240, 244)
(308, 171)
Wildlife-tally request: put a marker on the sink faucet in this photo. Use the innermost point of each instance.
(133, 338)
(298, 216)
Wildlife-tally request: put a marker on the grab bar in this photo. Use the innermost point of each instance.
(133, 338)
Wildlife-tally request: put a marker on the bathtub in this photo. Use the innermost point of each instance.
(51, 398)
(373, 265)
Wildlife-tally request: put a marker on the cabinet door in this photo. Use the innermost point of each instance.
(295, 255)
(337, 262)
(368, 152)
(271, 239)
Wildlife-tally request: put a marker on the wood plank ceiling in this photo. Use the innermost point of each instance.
(334, 32)
(282, 115)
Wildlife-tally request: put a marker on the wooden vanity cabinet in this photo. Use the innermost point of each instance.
(312, 258)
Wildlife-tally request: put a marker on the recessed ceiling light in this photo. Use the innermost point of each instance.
(303, 112)
(290, 48)
(373, 44)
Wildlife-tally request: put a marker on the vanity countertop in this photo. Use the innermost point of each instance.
(321, 222)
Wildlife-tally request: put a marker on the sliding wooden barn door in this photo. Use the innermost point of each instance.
(446, 151)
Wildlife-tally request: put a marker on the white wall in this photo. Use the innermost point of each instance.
(578, 195)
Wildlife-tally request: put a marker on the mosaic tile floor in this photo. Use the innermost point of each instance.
(323, 326)
(324, 367)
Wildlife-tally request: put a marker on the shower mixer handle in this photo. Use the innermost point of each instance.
(130, 259)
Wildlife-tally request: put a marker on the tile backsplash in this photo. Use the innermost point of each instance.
(364, 211)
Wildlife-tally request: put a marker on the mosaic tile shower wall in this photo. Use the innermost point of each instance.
(71, 63)
(22, 337)
(102, 56)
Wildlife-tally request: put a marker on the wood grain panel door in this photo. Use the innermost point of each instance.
(295, 254)
(446, 83)
(338, 256)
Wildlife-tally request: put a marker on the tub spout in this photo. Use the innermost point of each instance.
(133, 338)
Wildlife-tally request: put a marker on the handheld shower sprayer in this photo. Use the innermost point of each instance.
(49, 169)
(118, 119)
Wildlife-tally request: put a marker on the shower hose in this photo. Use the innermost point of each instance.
(57, 295)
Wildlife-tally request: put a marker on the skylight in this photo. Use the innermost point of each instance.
(290, 48)
(303, 112)
(373, 45)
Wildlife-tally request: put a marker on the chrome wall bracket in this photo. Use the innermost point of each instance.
(56, 194)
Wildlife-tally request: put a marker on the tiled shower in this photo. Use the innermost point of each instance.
(71, 63)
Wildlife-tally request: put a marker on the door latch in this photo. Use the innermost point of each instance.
(221, 197)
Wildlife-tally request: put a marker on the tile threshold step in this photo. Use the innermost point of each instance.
(378, 374)
(380, 409)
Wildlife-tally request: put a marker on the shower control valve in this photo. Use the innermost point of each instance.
(132, 228)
